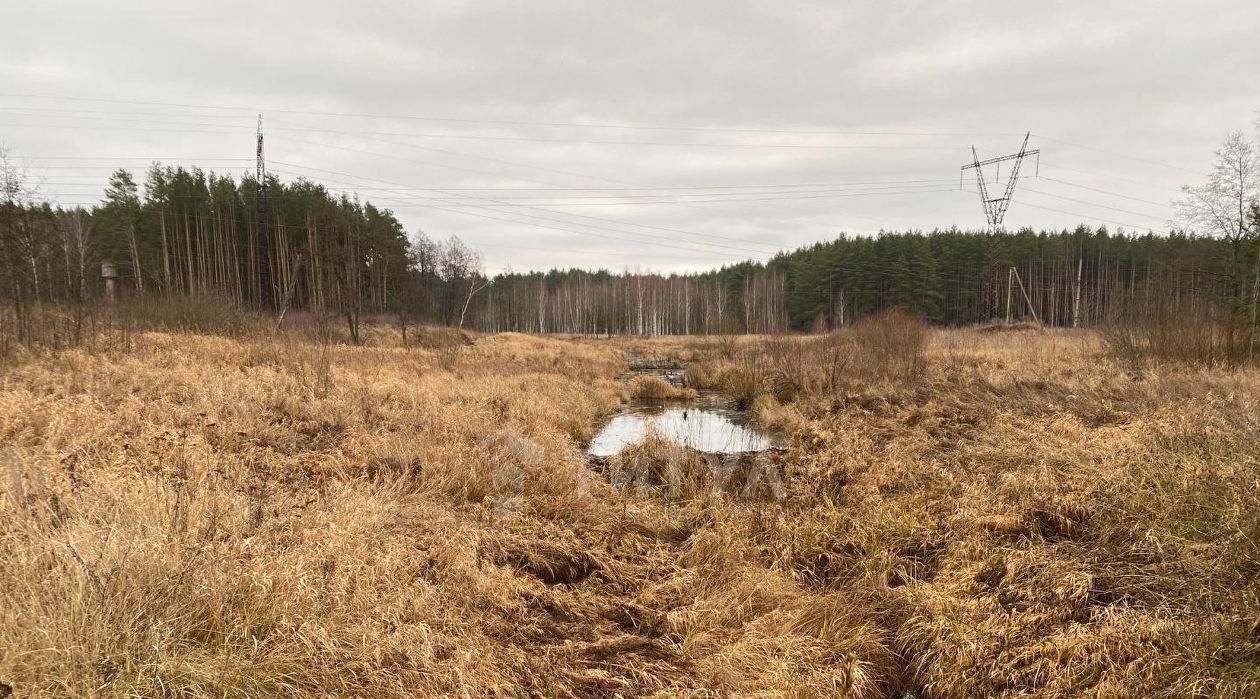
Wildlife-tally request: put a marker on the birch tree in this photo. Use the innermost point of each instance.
(1221, 207)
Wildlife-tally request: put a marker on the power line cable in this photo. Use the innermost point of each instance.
(228, 128)
(243, 220)
(118, 157)
(222, 129)
(1099, 174)
(595, 218)
(1115, 154)
(680, 144)
(1104, 191)
(1090, 203)
(491, 159)
(836, 195)
(509, 122)
(1092, 218)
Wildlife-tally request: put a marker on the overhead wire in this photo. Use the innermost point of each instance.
(645, 226)
(710, 248)
(455, 199)
(1090, 203)
(1110, 176)
(575, 174)
(512, 122)
(1104, 191)
(273, 126)
(552, 220)
(1115, 154)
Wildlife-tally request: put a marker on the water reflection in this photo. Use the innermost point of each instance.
(707, 425)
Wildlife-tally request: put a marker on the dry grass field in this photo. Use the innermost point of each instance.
(964, 514)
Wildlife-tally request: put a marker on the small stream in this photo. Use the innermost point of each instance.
(709, 423)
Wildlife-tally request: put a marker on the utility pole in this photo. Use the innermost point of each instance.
(995, 207)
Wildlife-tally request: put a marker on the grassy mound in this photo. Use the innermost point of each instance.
(648, 386)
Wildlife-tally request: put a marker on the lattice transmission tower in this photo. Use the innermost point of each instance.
(995, 207)
(260, 176)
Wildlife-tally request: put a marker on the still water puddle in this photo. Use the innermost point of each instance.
(709, 423)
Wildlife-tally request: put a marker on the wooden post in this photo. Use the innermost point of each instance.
(1027, 300)
(288, 292)
(1010, 283)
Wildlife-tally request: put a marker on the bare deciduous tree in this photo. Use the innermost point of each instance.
(1223, 207)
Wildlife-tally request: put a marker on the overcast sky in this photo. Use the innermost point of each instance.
(772, 125)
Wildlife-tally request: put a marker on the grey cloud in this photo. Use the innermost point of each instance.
(1160, 81)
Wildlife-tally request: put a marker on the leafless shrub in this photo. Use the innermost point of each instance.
(891, 344)
(1169, 335)
(448, 357)
(207, 314)
(727, 339)
(438, 337)
(783, 366)
(811, 364)
(743, 380)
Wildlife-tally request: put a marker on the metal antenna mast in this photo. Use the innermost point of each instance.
(995, 208)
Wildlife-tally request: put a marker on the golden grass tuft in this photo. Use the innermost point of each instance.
(654, 387)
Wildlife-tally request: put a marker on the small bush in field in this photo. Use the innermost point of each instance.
(205, 315)
(1182, 338)
(801, 365)
(438, 337)
(744, 382)
(891, 344)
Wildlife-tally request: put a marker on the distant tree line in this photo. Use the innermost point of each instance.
(193, 234)
(199, 234)
(952, 277)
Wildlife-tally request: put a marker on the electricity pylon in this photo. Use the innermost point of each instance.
(995, 208)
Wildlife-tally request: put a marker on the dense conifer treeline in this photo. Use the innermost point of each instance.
(196, 233)
(951, 277)
(190, 233)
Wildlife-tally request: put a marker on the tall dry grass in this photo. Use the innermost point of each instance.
(1181, 331)
(888, 348)
(1039, 520)
(654, 387)
(259, 515)
(1020, 515)
(1185, 339)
